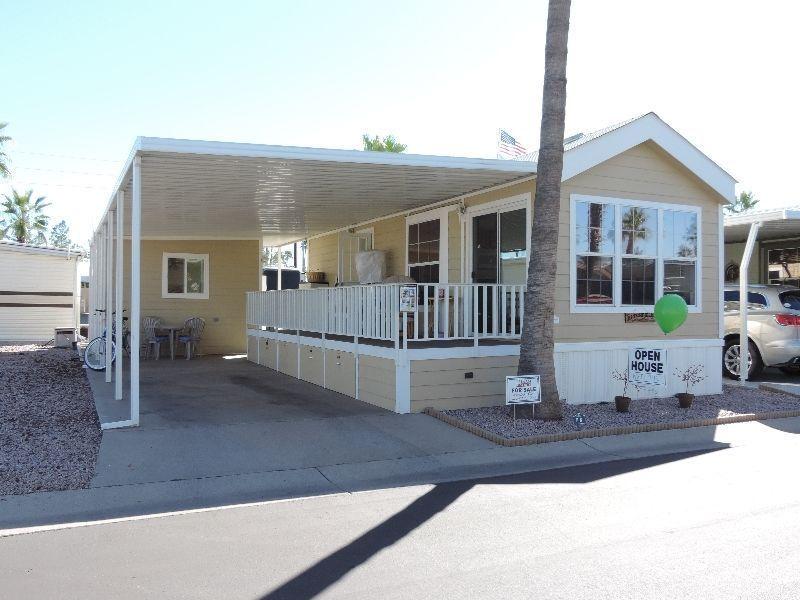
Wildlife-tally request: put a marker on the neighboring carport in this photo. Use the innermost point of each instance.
(751, 230)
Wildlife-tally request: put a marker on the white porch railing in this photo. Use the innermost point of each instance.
(443, 311)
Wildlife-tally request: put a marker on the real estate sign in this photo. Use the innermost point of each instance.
(647, 366)
(523, 389)
(408, 298)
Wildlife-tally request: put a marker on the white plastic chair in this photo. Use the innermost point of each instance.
(192, 333)
(151, 338)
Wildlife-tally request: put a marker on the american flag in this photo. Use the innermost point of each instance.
(508, 146)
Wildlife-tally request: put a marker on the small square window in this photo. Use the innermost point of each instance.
(184, 276)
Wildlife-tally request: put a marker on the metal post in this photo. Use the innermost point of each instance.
(118, 303)
(136, 238)
(109, 289)
(744, 267)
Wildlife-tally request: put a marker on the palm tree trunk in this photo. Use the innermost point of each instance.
(536, 350)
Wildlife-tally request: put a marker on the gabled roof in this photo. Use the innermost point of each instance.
(586, 150)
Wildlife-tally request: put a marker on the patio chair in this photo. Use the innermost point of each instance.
(192, 333)
(151, 336)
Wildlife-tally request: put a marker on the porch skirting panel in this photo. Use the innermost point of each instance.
(469, 376)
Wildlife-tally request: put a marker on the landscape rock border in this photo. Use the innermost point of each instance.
(592, 433)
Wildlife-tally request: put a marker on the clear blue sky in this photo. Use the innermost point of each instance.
(82, 79)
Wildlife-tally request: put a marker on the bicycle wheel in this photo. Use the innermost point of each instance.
(95, 355)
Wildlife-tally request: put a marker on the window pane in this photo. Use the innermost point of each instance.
(594, 227)
(639, 226)
(790, 300)
(680, 234)
(194, 276)
(413, 233)
(680, 278)
(513, 247)
(638, 281)
(429, 231)
(594, 280)
(413, 253)
(784, 266)
(433, 251)
(175, 268)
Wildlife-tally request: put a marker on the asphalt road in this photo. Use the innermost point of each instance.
(714, 524)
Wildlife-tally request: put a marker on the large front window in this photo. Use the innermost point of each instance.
(626, 254)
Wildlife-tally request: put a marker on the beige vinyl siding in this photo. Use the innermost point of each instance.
(644, 172)
(38, 274)
(390, 236)
(453, 247)
(233, 271)
(441, 383)
(376, 381)
(323, 255)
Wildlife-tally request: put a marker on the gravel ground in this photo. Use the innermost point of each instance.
(49, 431)
(733, 401)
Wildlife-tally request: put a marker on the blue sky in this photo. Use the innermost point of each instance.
(81, 80)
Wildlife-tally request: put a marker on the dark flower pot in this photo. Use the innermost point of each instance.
(685, 400)
(622, 403)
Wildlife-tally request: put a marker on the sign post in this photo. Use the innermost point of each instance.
(522, 389)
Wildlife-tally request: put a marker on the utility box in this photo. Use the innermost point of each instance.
(64, 337)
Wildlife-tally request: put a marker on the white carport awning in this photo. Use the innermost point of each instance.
(774, 225)
(229, 190)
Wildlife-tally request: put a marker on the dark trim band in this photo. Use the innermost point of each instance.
(13, 293)
(33, 305)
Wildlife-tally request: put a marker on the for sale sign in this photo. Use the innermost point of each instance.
(647, 366)
(523, 390)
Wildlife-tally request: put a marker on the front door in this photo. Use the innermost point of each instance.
(499, 255)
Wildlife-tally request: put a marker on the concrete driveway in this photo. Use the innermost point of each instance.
(215, 417)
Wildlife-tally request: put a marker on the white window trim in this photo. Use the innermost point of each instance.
(501, 205)
(617, 266)
(186, 295)
(444, 242)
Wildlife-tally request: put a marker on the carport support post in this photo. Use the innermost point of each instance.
(744, 269)
(136, 238)
(109, 288)
(118, 296)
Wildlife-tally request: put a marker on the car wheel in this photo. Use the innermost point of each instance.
(730, 359)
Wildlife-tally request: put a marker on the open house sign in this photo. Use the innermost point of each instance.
(647, 366)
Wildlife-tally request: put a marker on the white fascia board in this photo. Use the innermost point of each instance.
(649, 127)
(69, 254)
(169, 145)
(781, 214)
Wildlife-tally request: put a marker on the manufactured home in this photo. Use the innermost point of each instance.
(39, 291)
(640, 216)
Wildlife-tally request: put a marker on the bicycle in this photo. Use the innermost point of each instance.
(94, 357)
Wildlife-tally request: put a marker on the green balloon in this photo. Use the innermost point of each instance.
(670, 312)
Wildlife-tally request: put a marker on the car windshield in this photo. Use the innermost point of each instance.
(790, 299)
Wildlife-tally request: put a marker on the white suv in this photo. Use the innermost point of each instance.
(773, 329)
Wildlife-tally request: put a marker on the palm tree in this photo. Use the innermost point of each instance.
(387, 144)
(536, 350)
(25, 220)
(633, 228)
(4, 160)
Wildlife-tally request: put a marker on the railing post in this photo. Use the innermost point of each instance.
(475, 314)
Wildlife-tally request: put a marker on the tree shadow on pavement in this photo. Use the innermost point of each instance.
(334, 567)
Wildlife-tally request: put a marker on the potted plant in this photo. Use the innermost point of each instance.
(622, 402)
(691, 375)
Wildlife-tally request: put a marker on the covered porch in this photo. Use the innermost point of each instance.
(183, 235)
